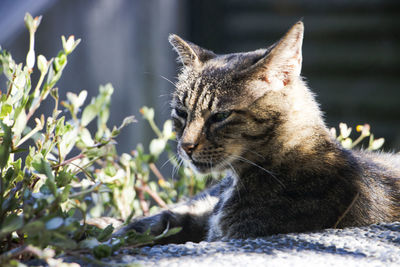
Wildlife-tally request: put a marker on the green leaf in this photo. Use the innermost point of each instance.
(102, 251)
(8, 178)
(63, 178)
(65, 193)
(157, 146)
(88, 114)
(172, 231)
(42, 64)
(90, 243)
(54, 93)
(52, 186)
(106, 233)
(126, 121)
(104, 114)
(59, 62)
(346, 143)
(45, 190)
(20, 124)
(5, 146)
(134, 238)
(54, 223)
(148, 113)
(377, 143)
(167, 129)
(68, 140)
(344, 130)
(70, 44)
(60, 127)
(77, 100)
(12, 223)
(42, 166)
(34, 227)
(62, 241)
(5, 110)
(28, 21)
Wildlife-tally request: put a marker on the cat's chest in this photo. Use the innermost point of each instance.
(216, 231)
(231, 202)
(240, 208)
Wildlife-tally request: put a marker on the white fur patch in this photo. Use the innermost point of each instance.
(198, 208)
(215, 230)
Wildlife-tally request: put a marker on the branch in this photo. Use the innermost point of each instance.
(155, 196)
(142, 201)
(154, 169)
(65, 162)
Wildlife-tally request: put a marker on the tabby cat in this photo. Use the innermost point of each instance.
(253, 115)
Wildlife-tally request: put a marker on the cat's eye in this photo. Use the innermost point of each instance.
(181, 113)
(220, 116)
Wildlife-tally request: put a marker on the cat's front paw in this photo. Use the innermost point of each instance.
(156, 223)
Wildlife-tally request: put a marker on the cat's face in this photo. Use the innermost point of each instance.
(226, 107)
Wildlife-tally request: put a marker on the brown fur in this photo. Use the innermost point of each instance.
(252, 114)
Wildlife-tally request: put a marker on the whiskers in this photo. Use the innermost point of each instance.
(176, 162)
(240, 158)
(168, 80)
(243, 149)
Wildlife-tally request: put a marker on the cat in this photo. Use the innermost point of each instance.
(251, 114)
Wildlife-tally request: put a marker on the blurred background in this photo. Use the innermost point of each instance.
(351, 51)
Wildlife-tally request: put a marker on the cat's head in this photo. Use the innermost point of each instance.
(228, 108)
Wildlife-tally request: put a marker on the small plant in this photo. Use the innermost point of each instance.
(56, 174)
(364, 130)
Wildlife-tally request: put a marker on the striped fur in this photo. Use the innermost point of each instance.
(253, 115)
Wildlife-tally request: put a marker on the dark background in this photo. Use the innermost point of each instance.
(351, 50)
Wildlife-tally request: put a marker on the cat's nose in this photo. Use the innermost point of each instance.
(188, 148)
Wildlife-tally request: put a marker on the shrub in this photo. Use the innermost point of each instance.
(56, 174)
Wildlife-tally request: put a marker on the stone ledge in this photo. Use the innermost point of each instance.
(375, 245)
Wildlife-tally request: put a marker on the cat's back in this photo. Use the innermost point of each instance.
(378, 183)
(388, 164)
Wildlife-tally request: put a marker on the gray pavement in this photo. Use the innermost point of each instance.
(375, 245)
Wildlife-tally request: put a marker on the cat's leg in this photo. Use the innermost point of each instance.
(192, 216)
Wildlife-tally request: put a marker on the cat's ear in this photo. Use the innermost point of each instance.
(283, 62)
(190, 55)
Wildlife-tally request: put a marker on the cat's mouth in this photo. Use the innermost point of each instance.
(206, 167)
(202, 167)
(204, 163)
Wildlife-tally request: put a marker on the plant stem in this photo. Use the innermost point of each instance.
(93, 188)
(155, 128)
(1, 195)
(155, 196)
(32, 110)
(357, 141)
(27, 136)
(81, 155)
(84, 171)
(11, 85)
(39, 84)
(157, 173)
(142, 201)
